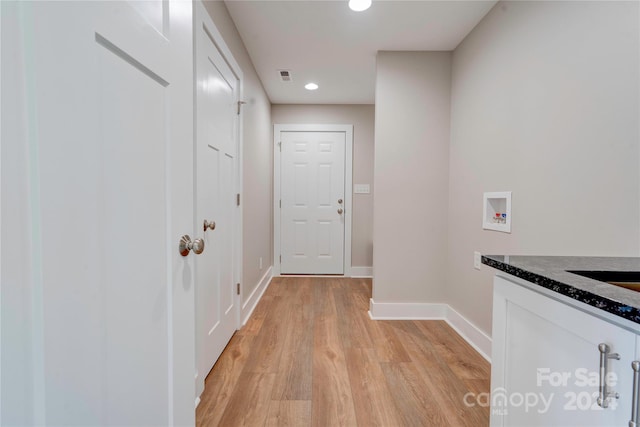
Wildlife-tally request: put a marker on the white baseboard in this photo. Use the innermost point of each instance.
(253, 299)
(362, 272)
(410, 310)
(477, 339)
(434, 311)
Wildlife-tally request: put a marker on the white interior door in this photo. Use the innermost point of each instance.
(102, 138)
(217, 170)
(313, 208)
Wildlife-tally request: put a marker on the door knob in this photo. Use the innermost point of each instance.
(340, 211)
(339, 201)
(210, 225)
(187, 245)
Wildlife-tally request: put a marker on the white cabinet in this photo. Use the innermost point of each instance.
(546, 362)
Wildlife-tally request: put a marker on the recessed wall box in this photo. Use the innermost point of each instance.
(496, 208)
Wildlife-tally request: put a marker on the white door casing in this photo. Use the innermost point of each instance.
(218, 149)
(312, 199)
(100, 154)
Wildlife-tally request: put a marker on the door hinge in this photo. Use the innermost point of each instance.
(237, 199)
(280, 146)
(238, 288)
(280, 204)
(280, 259)
(240, 105)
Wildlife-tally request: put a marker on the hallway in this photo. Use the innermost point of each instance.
(310, 355)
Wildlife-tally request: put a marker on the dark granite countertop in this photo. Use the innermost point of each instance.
(550, 272)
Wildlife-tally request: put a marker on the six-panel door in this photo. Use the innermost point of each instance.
(313, 202)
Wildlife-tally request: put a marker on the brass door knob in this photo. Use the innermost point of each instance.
(209, 225)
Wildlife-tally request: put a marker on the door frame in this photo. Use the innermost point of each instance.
(203, 21)
(348, 186)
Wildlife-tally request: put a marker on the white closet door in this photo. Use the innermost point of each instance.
(217, 152)
(106, 136)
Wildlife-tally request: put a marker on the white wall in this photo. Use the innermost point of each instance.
(362, 119)
(19, 273)
(544, 104)
(411, 175)
(257, 162)
(543, 98)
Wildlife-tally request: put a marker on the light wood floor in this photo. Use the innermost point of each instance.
(311, 356)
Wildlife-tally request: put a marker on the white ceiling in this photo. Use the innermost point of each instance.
(327, 43)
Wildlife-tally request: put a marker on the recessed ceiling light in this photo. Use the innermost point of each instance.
(311, 86)
(359, 5)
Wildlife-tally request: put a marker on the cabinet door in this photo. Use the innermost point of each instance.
(545, 369)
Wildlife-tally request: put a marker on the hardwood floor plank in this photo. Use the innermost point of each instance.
(478, 386)
(388, 347)
(332, 402)
(289, 413)
(293, 381)
(362, 298)
(457, 353)
(442, 383)
(416, 405)
(373, 401)
(249, 404)
(268, 345)
(255, 322)
(280, 285)
(352, 320)
(224, 375)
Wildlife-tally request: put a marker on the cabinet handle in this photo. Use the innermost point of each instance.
(635, 365)
(604, 393)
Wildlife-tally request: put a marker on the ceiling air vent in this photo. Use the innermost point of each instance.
(285, 75)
